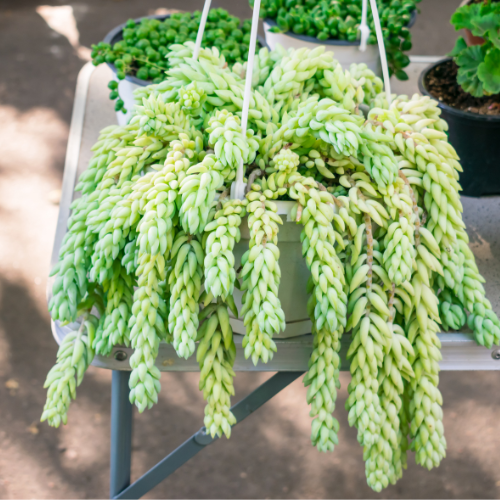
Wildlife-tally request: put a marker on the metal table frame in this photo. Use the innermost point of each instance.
(459, 349)
(121, 435)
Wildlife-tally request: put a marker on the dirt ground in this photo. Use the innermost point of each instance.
(269, 455)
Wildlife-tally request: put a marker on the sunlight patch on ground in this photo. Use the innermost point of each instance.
(163, 12)
(32, 145)
(62, 20)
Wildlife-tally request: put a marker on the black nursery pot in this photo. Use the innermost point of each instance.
(476, 138)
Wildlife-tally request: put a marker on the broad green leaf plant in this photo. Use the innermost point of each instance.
(478, 65)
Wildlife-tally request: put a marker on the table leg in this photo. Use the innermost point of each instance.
(201, 439)
(121, 433)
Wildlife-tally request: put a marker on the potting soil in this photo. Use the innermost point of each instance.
(441, 82)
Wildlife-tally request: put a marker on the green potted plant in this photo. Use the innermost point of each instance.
(335, 24)
(467, 86)
(135, 50)
(373, 197)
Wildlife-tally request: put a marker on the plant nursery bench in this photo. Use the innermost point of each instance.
(92, 111)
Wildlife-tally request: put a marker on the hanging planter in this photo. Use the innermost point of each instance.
(337, 27)
(293, 286)
(151, 250)
(148, 65)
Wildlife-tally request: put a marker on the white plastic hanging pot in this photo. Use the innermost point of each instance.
(294, 275)
(294, 272)
(126, 90)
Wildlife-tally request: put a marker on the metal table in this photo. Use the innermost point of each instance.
(93, 111)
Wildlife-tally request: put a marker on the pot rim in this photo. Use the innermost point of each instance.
(118, 30)
(311, 39)
(451, 110)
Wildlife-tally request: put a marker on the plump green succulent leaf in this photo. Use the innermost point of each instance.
(460, 46)
(489, 71)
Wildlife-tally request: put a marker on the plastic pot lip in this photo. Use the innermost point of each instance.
(341, 43)
(458, 113)
(311, 39)
(112, 37)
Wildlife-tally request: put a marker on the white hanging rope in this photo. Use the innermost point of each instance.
(249, 75)
(238, 187)
(201, 29)
(381, 48)
(363, 27)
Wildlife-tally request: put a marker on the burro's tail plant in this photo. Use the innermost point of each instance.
(478, 65)
(149, 255)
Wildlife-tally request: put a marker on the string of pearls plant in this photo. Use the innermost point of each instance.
(148, 255)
